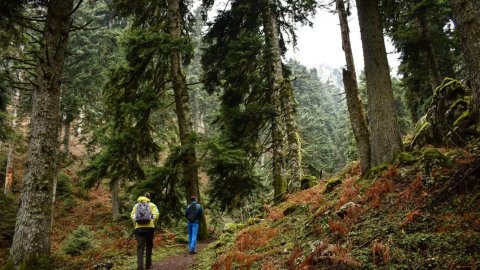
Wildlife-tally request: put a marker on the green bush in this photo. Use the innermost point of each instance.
(64, 185)
(80, 240)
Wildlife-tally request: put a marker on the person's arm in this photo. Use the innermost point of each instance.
(200, 212)
(155, 212)
(132, 214)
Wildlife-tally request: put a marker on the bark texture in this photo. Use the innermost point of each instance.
(33, 223)
(10, 170)
(184, 116)
(66, 135)
(293, 138)
(354, 105)
(383, 124)
(115, 200)
(276, 82)
(467, 17)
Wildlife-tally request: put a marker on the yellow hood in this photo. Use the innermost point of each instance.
(143, 199)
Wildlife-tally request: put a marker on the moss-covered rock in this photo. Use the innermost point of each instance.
(423, 136)
(405, 158)
(308, 181)
(332, 183)
(374, 172)
(447, 121)
(233, 227)
(432, 157)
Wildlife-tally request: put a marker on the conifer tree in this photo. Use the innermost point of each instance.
(467, 18)
(33, 224)
(355, 108)
(382, 120)
(420, 31)
(276, 83)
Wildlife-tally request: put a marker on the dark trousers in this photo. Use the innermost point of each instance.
(144, 237)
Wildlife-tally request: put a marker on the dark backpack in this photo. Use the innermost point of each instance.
(143, 214)
(192, 212)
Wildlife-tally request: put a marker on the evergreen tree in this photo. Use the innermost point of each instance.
(355, 108)
(383, 125)
(467, 18)
(33, 224)
(420, 31)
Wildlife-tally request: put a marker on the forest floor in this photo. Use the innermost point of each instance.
(179, 261)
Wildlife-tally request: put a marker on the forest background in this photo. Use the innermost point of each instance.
(160, 97)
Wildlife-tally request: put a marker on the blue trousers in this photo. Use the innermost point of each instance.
(192, 235)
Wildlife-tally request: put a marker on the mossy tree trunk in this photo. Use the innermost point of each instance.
(354, 105)
(275, 83)
(383, 125)
(33, 223)
(293, 137)
(10, 171)
(184, 117)
(467, 18)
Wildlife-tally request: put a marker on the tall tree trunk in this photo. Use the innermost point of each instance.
(467, 16)
(354, 105)
(276, 82)
(66, 134)
(293, 138)
(384, 130)
(184, 117)
(435, 75)
(33, 223)
(115, 188)
(9, 171)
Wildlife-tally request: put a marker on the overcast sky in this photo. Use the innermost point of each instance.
(322, 44)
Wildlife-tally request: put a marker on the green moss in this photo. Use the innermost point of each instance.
(233, 227)
(37, 263)
(459, 120)
(332, 183)
(308, 181)
(425, 126)
(459, 102)
(405, 158)
(450, 85)
(374, 172)
(431, 157)
(432, 153)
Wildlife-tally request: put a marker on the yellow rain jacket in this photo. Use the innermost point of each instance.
(154, 209)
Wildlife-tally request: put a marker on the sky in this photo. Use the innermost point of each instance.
(322, 44)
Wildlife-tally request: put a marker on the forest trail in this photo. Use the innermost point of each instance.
(180, 261)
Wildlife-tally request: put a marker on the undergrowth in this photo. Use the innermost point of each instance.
(387, 219)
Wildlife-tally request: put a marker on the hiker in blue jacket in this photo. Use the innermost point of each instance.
(144, 215)
(193, 213)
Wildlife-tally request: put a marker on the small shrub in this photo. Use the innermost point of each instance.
(69, 204)
(254, 237)
(80, 240)
(380, 252)
(64, 185)
(413, 192)
(375, 192)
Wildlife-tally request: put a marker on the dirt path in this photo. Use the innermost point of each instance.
(178, 262)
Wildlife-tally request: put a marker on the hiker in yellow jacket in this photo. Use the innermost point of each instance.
(144, 215)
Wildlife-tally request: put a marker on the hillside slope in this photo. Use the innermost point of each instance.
(419, 213)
